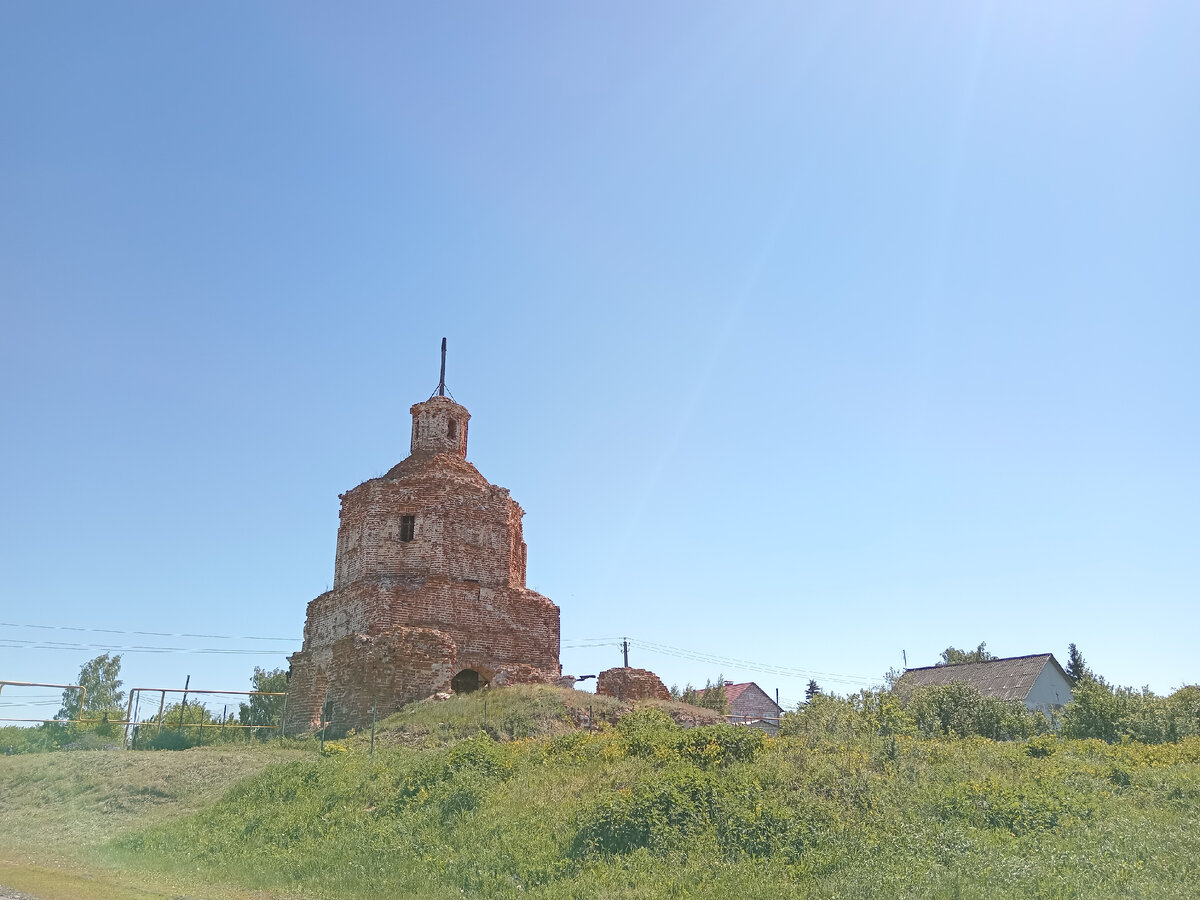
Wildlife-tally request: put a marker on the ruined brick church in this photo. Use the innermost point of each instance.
(429, 588)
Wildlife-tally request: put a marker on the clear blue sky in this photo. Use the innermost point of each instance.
(805, 333)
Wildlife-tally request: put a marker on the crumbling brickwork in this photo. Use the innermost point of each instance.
(631, 684)
(429, 588)
(749, 704)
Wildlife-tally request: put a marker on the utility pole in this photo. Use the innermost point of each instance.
(625, 649)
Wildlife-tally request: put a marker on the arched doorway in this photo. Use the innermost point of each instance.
(466, 681)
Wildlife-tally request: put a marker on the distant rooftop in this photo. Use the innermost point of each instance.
(1002, 679)
(733, 691)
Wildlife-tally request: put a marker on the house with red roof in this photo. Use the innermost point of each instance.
(751, 705)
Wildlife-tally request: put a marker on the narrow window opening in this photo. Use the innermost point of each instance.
(408, 525)
(452, 429)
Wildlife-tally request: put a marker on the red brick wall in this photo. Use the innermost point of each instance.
(631, 684)
(462, 575)
(465, 528)
(754, 702)
(389, 669)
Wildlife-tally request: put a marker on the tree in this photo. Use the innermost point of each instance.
(263, 710)
(812, 690)
(102, 696)
(1077, 668)
(952, 656)
(958, 709)
(711, 697)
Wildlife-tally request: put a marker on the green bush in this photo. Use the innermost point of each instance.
(169, 740)
(719, 745)
(655, 815)
(1109, 713)
(647, 810)
(652, 733)
(958, 709)
(1015, 808)
(37, 739)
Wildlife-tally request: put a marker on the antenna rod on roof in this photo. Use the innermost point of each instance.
(442, 380)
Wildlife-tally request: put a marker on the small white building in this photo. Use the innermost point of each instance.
(1038, 681)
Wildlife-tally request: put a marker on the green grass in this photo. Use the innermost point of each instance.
(520, 711)
(58, 808)
(643, 809)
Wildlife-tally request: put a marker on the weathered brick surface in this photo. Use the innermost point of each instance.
(631, 684)
(749, 704)
(461, 575)
(391, 669)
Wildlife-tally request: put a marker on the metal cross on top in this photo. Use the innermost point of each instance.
(441, 388)
(442, 380)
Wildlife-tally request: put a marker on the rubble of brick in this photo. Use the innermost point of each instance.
(429, 590)
(631, 684)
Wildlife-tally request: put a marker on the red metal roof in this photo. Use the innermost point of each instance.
(733, 691)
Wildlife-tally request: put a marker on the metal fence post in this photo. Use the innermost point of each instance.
(183, 705)
(324, 720)
(373, 708)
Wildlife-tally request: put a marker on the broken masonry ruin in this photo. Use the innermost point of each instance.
(631, 684)
(429, 588)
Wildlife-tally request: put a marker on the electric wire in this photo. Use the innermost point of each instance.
(570, 644)
(218, 637)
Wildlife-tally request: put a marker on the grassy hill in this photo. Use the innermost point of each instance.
(521, 711)
(59, 808)
(640, 809)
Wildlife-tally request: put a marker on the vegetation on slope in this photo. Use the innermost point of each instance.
(513, 713)
(648, 809)
(58, 807)
(564, 795)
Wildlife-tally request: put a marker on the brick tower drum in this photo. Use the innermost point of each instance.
(429, 589)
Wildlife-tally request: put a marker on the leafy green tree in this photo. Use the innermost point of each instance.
(865, 714)
(103, 696)
(812, 690)
(180, 727)
(958, 709)
(1183, 712)
(263, 710)
(1077, 669)
(711, 697)
(1110, 713)
(193, 714)
(952, 656)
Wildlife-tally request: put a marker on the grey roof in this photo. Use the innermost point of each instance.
(1003, 679)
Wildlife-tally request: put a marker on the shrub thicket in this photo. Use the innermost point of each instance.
(1110, 713)
(647, 809)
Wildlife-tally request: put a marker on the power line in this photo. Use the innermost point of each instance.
(16, 644)
(716, 659)
(215, 637)
(571, 644)
(766, 668)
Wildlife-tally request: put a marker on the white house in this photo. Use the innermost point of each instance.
(1038, 680)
